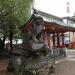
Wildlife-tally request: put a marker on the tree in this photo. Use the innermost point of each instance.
(13, 14)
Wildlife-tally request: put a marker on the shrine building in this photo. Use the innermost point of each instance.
(54, 29)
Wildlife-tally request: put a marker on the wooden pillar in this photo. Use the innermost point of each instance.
(69, 37)
(48, 39)
(73, 41)
(63, 39)
(53, 38)
(73, 34)
(58, 39)
(55, 43)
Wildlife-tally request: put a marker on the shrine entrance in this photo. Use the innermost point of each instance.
(56, 33)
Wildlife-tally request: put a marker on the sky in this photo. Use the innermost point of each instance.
(56, 7)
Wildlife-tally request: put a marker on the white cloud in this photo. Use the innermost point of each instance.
(55, 7)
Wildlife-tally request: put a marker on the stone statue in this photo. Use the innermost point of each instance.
(37, 29)
(34, 34)
(35, 44)
(35, 58)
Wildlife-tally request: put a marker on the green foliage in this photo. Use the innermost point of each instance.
(13, 14)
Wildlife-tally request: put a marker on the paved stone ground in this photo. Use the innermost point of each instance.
(65, 67)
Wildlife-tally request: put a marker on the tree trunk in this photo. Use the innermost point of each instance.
(4, 37)
(11, 35)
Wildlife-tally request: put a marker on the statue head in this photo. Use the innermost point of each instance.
(37, 29)
(38, 24)
(38, 20)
